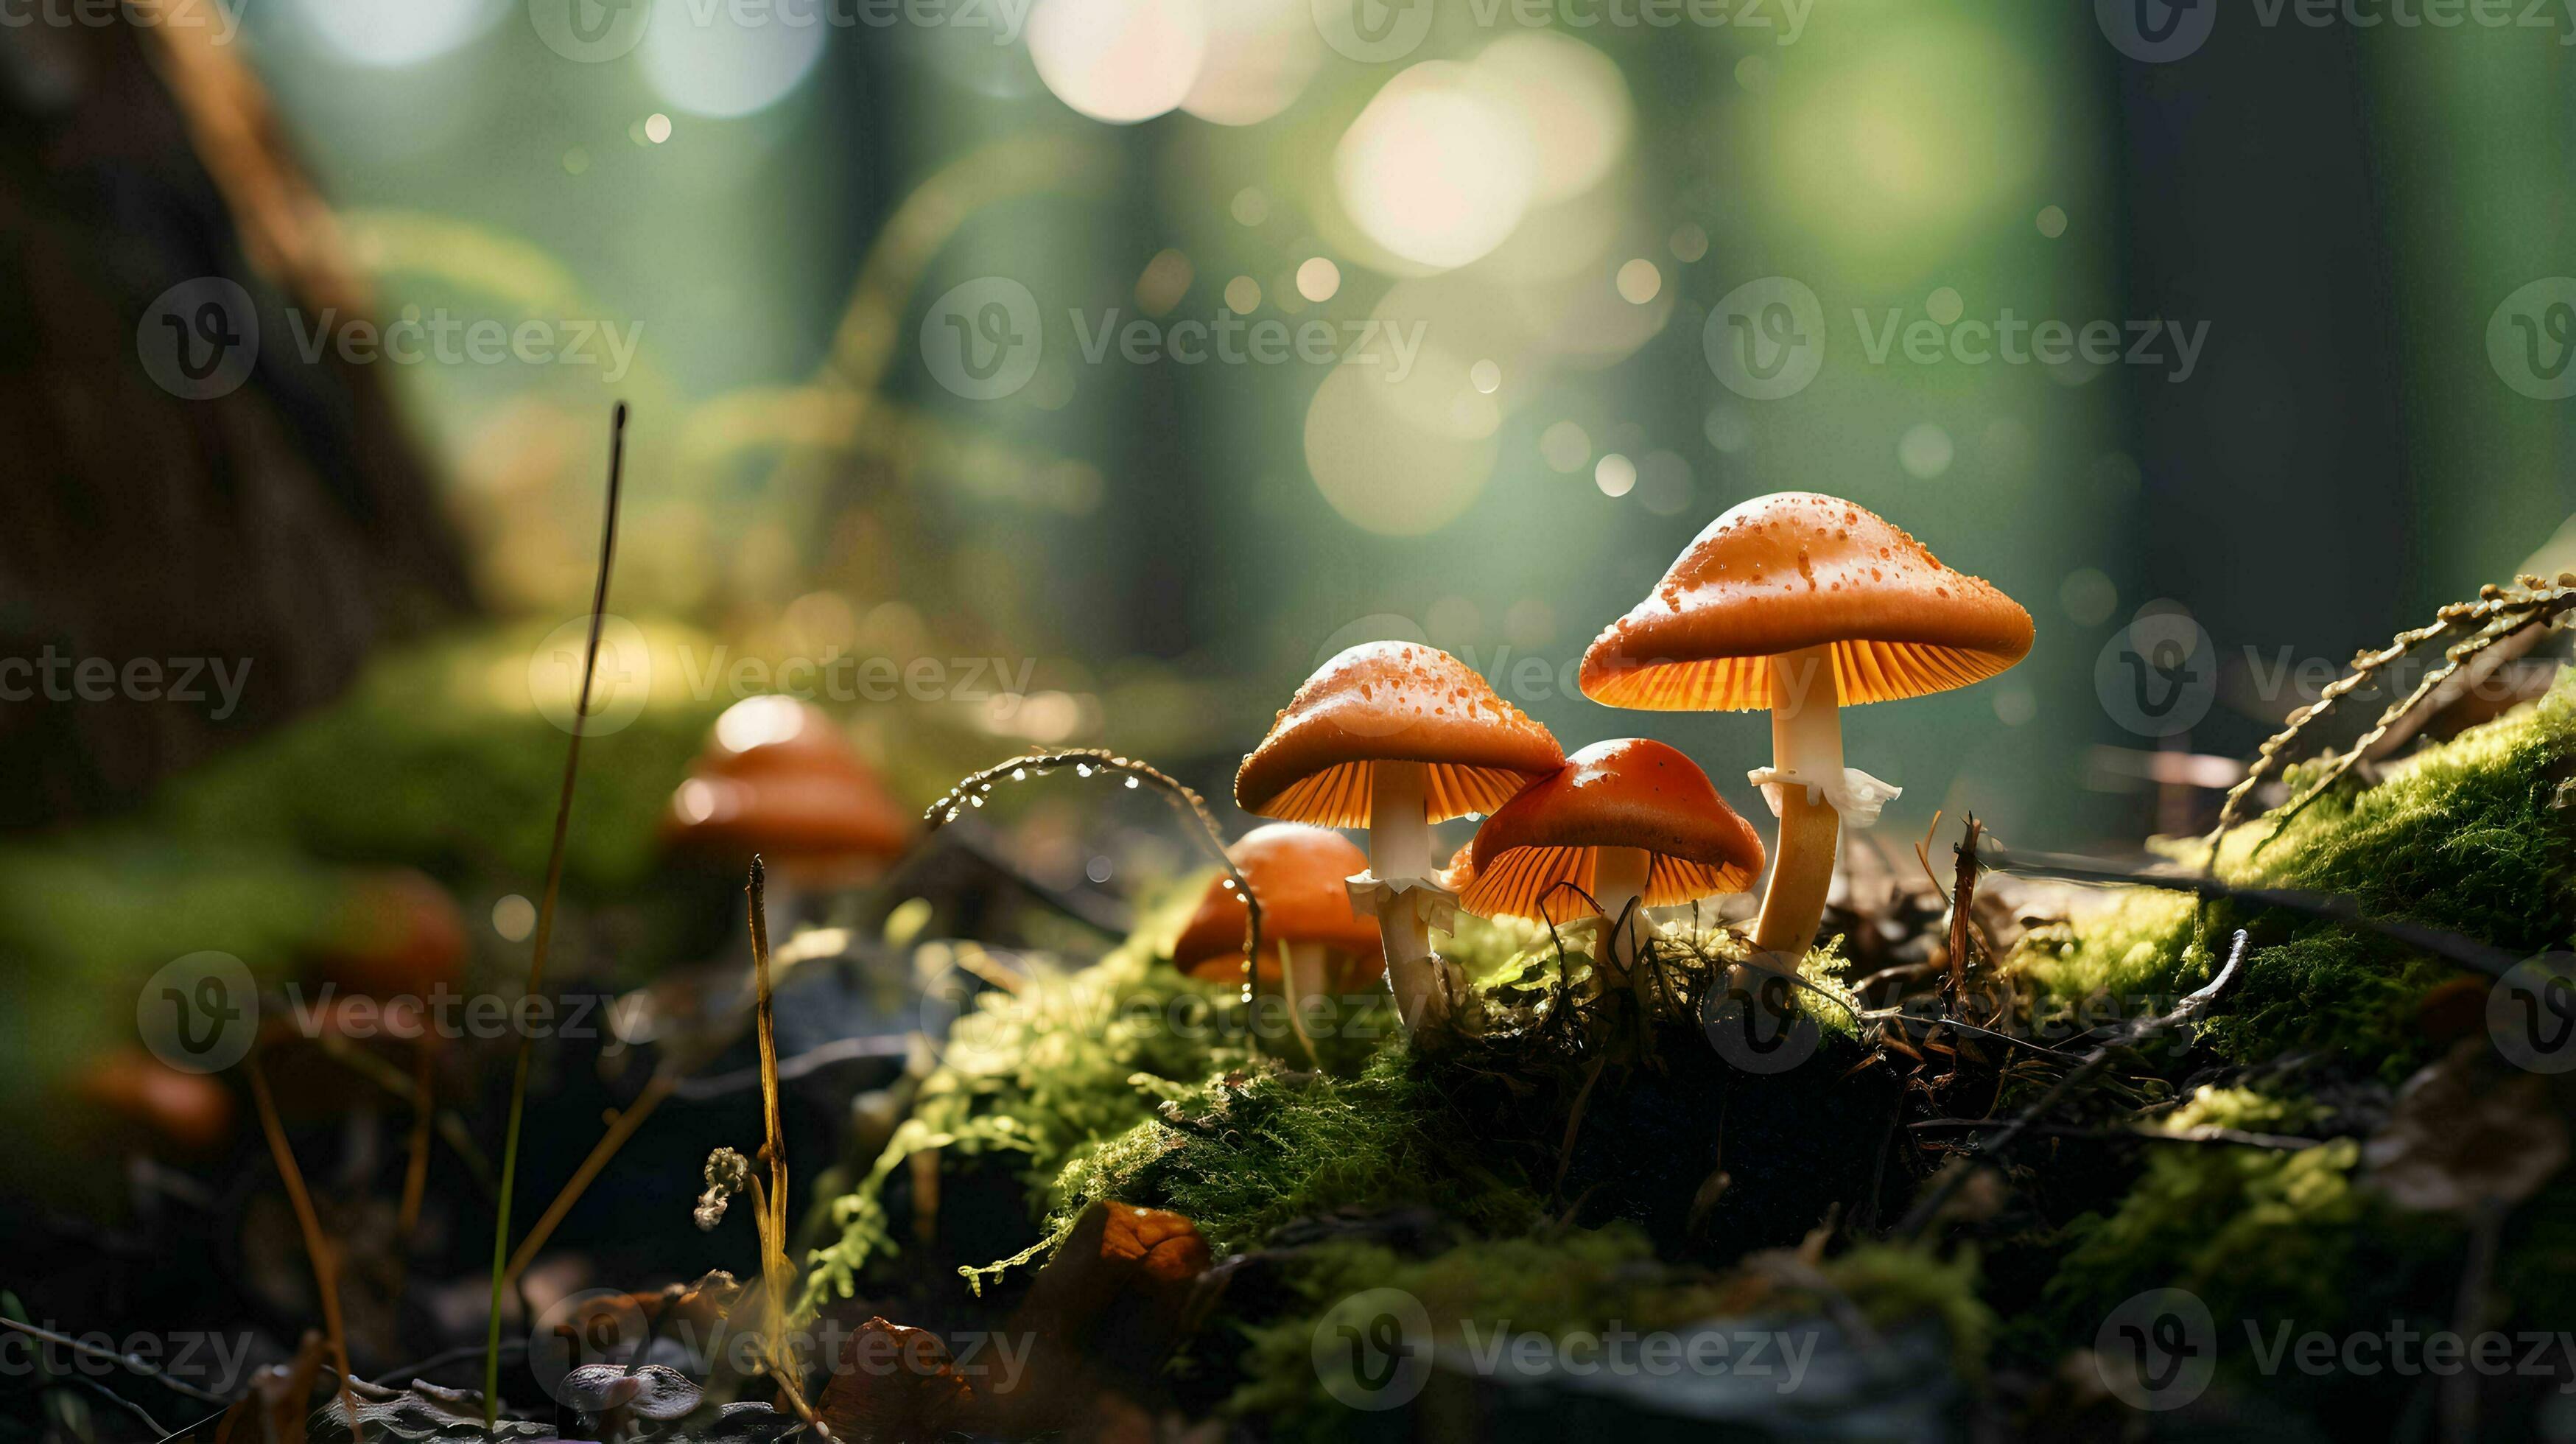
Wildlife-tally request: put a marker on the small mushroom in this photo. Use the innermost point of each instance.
(779, 779)
(1393, 737)
(1632, 823)
(1298, 874)
(191, 1112)
(1804, 604)
(394, 933)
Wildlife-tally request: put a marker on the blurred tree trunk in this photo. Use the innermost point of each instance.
(236, 521)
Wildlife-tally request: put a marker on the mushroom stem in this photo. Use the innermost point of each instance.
(1806, 742)
(1400, 851)
(1619, 880)
(1301, 976)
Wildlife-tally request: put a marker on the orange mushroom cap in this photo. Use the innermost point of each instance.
(1297, 872)
(394, 932)
(1629, 793)
(1794, 570)
(191, 1110)
(1393, 702)
(779, 779)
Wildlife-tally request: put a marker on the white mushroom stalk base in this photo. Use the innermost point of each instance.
(1813, 795)
(1619, 886)
(1399, 889)
(1301, 976)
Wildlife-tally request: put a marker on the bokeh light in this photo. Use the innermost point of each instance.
(1565, 446)
(389, 33)
(1889, 156)
(1924, 451)
(1260, 55)
(1120, 61)
(720, 66)
(1435, 170)
(1573, 102)
(1383, 475)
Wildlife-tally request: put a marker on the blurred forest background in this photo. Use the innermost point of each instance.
(1156, 552)
(777, 207)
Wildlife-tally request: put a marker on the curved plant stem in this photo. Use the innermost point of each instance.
(546, 924)
(2497, 613)
(972, 789)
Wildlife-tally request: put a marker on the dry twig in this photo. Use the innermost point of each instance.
(546, 923)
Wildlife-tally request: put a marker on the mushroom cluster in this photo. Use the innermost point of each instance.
(1795, 603)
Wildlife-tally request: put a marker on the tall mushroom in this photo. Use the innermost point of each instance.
(1804, 604)
(1394, 737)
(1298, 873)
(1633, 823)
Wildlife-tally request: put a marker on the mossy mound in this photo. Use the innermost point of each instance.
(1243, 1154)
(1589, 1158)
(1047, 1075)
(2476, 836)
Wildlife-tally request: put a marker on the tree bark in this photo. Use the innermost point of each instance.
(154, 542)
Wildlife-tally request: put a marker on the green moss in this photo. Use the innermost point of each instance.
(2471, 836)
(1242, 1155)
(437, 758)
(1895, 1283)
(2247, 1229)
(1070, 1064)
